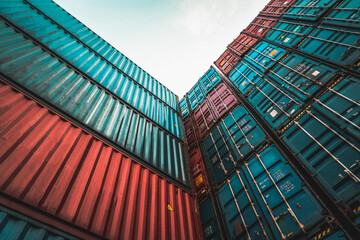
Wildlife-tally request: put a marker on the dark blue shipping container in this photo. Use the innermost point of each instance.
(308, 9)
(242, 132)
(75, 42)
(267, 186)
(195, 96)
(54, 82)
(218, 155)
(346, 14)
(301, 76)
(209, 80)
(289, 33)
(338, 45)
(209, 220)
(184, 108)
(14, 225)
(326, 138)
(264, 55)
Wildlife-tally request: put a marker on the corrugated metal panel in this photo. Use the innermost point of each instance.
(75, 53)
(260, 26)
(326, 137)
(195, 96)
(242, 43)
(266, 199)
(184, 108)
(101, 47)
(308, 9)
(199, 173)
(345, 14)
(59, 85)
(227, 61)
(338, 45)
(276, 7)
(190, 133)
(221, 99)
(17, 226)
(204, 118)
(54, 166)
(209, 80)
(289, 33)
(208, 220)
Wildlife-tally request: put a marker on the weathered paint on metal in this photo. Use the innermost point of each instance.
(209, 80)
(276, 7)
(199, 173)
(260, 26)
(64, 34)
(184, 108)
(241, 44)
(190, 133)
(204, 118)
(44, 75)
(52, 165)
(345, 14)
(227, 61)
(308, 9)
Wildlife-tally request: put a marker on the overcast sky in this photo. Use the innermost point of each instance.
(175, 41)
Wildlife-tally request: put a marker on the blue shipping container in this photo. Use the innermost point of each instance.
(302, 76)
(308, 9)
(209, 220)
(242, 132)
(209, 80)
(184, 108)
(345, 14)
(268, 187)
(335, 44)
(20, 10)
(44, 75)
(289, 33)
(195, 96)
(326, 138)
(14, 225)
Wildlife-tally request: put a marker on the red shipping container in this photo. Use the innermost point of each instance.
(227, 61)
(204, 118)
(55, 167)
(242, 43)
(260, 26)
(199, 173)
(222, 100)
(276, 7)
(190, 133)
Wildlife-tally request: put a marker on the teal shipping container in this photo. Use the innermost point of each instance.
(209, 220)
(35, 70)
(308, 9)
(41, 17)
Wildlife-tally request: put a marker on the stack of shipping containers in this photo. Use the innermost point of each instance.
(273, 130)
(92, 146)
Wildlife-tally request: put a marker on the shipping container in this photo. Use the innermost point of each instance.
(195, 96)
(82, 59)
(227, 61)
(204, 119)
(302, 76)
(242, 132)
(276, 7)
(221, 100)
(325, 137)
(209, 80)
(209, 220)
(345, 14)
(14, 225)
(241, 44)
(260, 26)
(184, 108)
(68, 37)
(308, 9)
(339, 45)
(190, 133)
(267, 199)
(289, 33)
(218, 155)
(45, 76)
(199, 174)
(52, 165)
